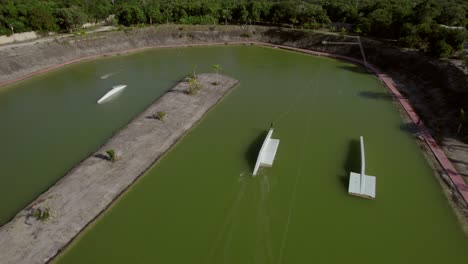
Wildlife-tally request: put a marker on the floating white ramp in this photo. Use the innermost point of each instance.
(361, 184)
(267, 153)
(111, 93)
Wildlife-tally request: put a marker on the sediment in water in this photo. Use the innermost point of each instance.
(89, 188)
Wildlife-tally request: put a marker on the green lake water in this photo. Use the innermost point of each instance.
(199, 204)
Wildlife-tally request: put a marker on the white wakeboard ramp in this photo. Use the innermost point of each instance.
(361, 184)
(267, 153)
(115, 90)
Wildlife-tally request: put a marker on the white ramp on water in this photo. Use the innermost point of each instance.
(111, 93)
(361, 184)
(267, 153)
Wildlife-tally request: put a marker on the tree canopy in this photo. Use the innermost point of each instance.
(429, 25)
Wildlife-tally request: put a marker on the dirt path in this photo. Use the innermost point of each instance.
(91, 187)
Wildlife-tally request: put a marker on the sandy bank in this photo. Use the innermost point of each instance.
(89, 188)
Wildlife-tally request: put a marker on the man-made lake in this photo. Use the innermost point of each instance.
(199, 204)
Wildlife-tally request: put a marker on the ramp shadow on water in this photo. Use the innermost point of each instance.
(251, 154)
(352, 162)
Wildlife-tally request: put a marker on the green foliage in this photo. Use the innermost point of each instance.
(226, 14)
(194, 86)
(111, 155)
(41, 18)
(160, 116)
(198, 20)
(79, 32)
(415, 24)
(380, 20)
(343, 33)
(70, 19)
(41, 214)
(217, 68)
(130, 14)
(440, 49)
(99, 10)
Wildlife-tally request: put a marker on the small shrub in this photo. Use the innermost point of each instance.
(111, 155)
(217, 68)
(79, 33)
(246, 35)
(160, 115)
(194, 86)
(41, 214)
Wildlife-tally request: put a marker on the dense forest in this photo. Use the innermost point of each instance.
(433, 26)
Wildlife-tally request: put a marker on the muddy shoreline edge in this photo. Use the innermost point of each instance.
(92, 186)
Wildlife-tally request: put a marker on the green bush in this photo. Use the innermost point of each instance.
(217, 68)
(111, 155)
(194, 86)
(80, 32)
(41, 214)
(440, 49)
(160, 115)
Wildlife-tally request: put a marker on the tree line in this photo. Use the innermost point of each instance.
(414, 23)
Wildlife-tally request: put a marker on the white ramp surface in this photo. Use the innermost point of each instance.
(267, 153)
(361, 184)
(111, 93)
(367, 183)
(270, 152)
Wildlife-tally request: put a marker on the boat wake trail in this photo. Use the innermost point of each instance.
(105, 76)
(291, 107)
(227, 228)
(264, 239)
(293, 193)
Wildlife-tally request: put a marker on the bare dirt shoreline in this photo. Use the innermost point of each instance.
(93, 185)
